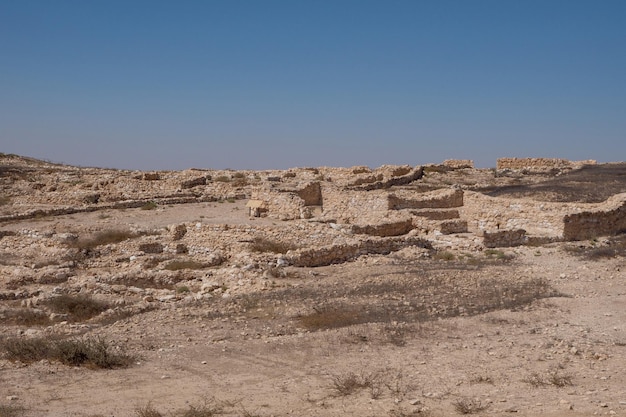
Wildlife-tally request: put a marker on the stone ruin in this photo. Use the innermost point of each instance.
(381, 203)
(538, 164)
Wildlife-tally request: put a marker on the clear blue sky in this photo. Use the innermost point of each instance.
(275, 84)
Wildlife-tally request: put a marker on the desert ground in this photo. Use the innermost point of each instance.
(439, 290)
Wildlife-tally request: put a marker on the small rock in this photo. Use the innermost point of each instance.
(12, 397)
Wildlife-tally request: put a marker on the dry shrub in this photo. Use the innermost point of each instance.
(401, 412)
(444, 256)
(11, 410)
(105, 238)
(178, 265)
(77, 307)
(615, 246)
(349, 383)
(261, 244)
(25, 317)
(469, 406)
(332, 318)
(147, 411)
(89, 352)
(554, 378)
(27, 350)
(150, 205)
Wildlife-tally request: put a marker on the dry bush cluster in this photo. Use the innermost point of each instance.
(11, 410)
(184, 264)
(420, 300)
(76, 307)
(206, 408)
(551, 378)
(89, 352)
(469, 406)
(104, 238)
(615, 246)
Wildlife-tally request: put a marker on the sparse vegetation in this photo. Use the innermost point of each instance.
(183, 289)
(89, 352)
(4, 200)
(104, 238)
(444, 256)
(25, 317)
(613, 247)
(150, 205)
(349, 383)
(11, 410)
(554, 378)
(147, 411)
(76, 307)
(497, 254)
(332, 318)
(469, 406)
(188, 264)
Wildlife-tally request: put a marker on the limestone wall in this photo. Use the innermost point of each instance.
(351, 206)
(504, 238)
(392, 228)
(538, 218)
(444, 198)
(539, 164)
(458, 163)
(398, 176)
(280, 205)
(311, 194)
(601, 222)
(332, 254)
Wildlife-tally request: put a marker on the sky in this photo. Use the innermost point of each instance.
(274, 84)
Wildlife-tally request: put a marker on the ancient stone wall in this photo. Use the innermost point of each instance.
(332, 254)
(393, 228)
(458, 163)
(280, 204)
(601, 222)
(539, 164)
(436, 214)
(538, 218)
(351, 206)
(504, 238)
(444, 198)
(311, 194)
(449, 227)
(399, 176)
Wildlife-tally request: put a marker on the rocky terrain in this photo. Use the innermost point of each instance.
(430, 290)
